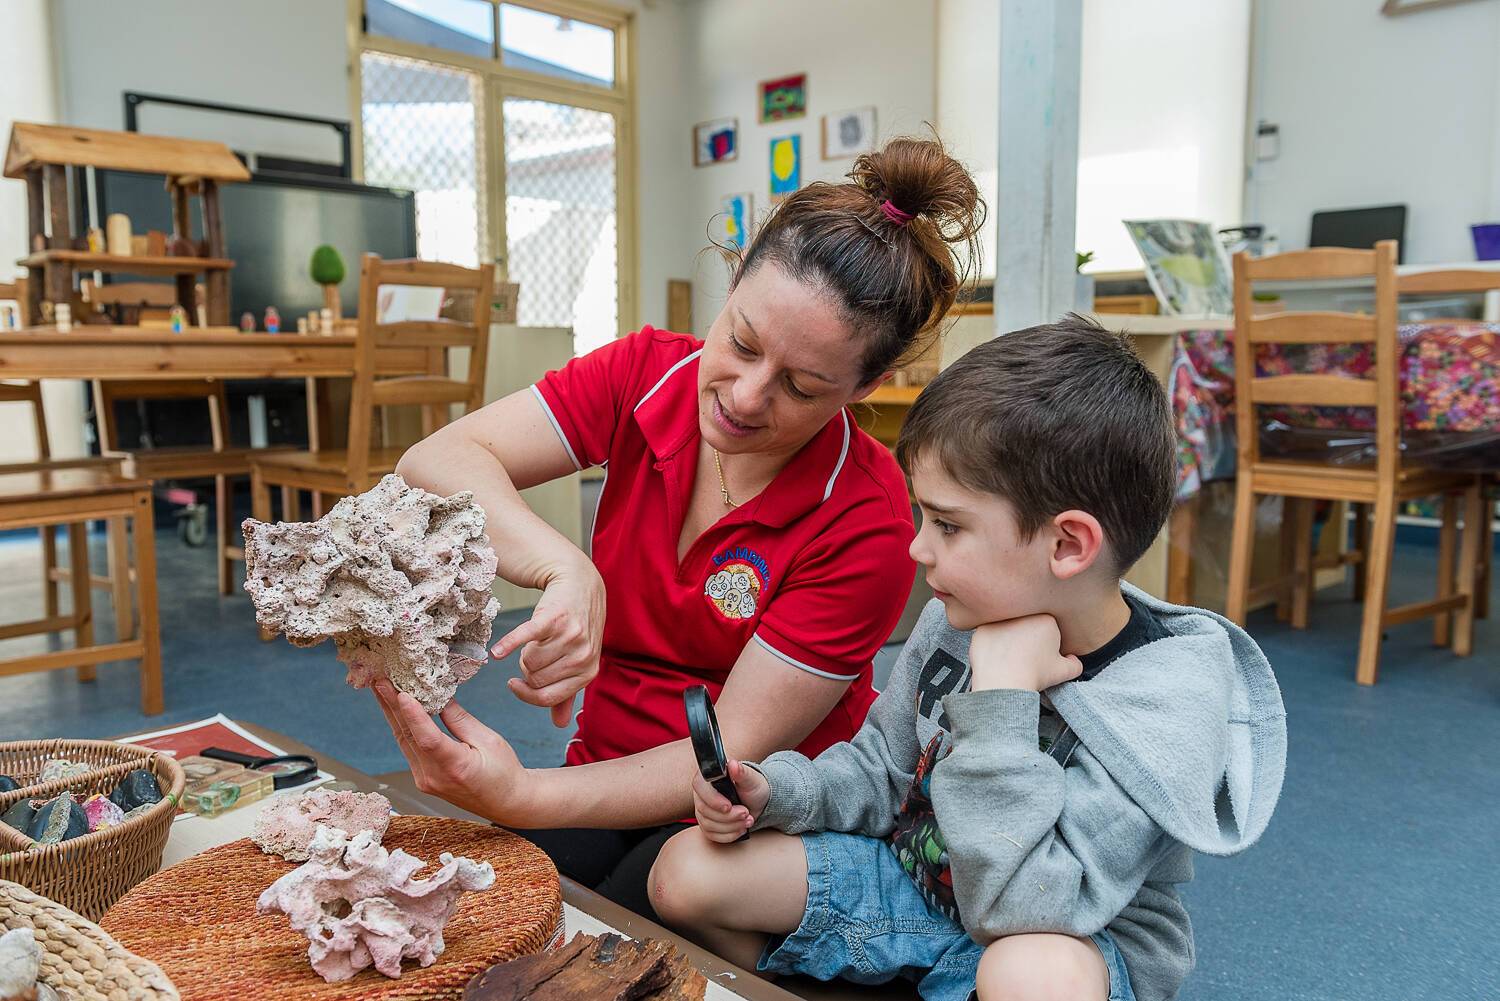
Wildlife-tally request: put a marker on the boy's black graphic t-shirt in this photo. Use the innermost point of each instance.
(917, 840)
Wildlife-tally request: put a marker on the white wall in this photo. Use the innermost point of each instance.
(1375, 110)
(968, 99)
(30, 95)
(291, 55)
(855, 53)
(1161, 118)
(281, 54)
(1161, 113)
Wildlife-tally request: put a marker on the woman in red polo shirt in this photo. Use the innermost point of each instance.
(749, 536)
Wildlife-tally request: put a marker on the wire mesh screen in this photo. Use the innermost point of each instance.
(560, 218)
(423, 132)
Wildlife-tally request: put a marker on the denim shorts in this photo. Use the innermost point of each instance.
(867, 922)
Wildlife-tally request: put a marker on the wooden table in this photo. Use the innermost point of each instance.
(99, 352)
(588, 912)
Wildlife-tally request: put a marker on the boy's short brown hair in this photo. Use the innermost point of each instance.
(1062, 416)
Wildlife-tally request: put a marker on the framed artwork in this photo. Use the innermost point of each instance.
(847, 134)
(786, 166)
(717, 141)
(732, 224)
(783, 99)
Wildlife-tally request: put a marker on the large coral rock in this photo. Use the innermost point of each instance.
(398, 577)
(287, 825)
(359, 906)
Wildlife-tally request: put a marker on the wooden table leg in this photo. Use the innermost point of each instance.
(1442, 622)
(119, 578)
(260, 510)
(83, 601)
(1476, 510)
(49, 564)
(145, 576)
(1181, 527)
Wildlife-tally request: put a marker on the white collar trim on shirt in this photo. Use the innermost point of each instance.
(664, 378)
(843, 454)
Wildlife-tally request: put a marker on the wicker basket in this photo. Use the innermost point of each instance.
(88, 873)
(78, 956)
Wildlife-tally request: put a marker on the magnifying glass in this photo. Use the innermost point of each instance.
(289, 770)
(708, 745)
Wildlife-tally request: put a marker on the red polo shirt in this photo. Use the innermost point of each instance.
(814, 569)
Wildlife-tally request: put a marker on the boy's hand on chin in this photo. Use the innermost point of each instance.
(1023, 653)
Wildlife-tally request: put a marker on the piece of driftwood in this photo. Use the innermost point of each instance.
(593, 968)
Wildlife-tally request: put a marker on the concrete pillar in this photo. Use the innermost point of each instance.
(1041, 43)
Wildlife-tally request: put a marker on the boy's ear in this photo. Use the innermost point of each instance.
(1077, 542)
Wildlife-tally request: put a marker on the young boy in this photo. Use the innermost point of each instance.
(1026, 794)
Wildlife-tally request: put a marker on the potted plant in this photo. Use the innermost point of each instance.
(327, 269)
(1083, 294)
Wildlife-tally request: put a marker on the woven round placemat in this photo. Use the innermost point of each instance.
(77, 955)
(197, 920)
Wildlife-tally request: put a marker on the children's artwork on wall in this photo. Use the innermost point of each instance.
(786, 166)
(734, 220)
(783, 99)
(848, 133)
(717, 141)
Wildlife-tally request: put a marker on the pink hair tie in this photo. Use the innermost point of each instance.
(894, 214)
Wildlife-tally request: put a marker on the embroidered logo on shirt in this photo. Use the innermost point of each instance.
(735, 587)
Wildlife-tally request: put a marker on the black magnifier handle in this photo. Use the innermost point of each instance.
(304, 768)
(708, 745)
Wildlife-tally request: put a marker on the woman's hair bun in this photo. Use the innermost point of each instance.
(920, 178)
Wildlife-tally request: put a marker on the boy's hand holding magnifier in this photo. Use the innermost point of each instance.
(727, 795)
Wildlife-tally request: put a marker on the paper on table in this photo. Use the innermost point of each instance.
(216, 731)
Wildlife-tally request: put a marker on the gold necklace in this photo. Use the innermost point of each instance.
(723, 490)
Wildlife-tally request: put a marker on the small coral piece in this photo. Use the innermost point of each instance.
(287, 824)
(398, 577)
(359, 906)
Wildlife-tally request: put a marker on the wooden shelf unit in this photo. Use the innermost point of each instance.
(42, 155)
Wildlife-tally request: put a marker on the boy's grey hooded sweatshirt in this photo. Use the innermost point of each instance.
(1181, 748)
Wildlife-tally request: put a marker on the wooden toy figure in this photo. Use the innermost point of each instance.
(273, 320)
(247, 322)
(178, 319)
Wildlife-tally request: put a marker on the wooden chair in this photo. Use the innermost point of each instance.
(1381, 486)
(1448, 281)
(218, 461)
(355, 469)
(46, 496)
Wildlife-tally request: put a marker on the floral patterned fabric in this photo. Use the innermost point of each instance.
(1450, 381)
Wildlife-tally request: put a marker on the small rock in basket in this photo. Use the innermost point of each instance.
(63, 817)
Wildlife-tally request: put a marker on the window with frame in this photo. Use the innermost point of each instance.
(444, 84)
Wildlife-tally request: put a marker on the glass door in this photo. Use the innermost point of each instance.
(561, 216)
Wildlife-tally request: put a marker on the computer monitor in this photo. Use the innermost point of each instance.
(271, 225)
(1360, 228)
